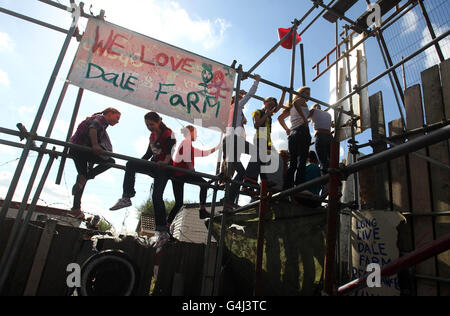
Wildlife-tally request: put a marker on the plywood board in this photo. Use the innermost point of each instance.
(381, 176)
(400, 196)
(421, 199)
(445, 81)
(440, 179)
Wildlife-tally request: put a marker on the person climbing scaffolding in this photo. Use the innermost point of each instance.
(262, 120)
(91, 132)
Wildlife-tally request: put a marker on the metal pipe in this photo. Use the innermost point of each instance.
(296, 24)
(302, 55)
(404, 76)
(122, 157)
(17, 242)
(294, 40)
(382, 27)
(315, 19)
(208, 239)
(35, 126)
(12, 244)
(392, 83)
(431, 30)
(381, 41)
(32, 20)
(331, 235)
(423, 48)
(432, 214)
(69, 133)
(352, 125)
(427, 140)
(430, 250)
(260, 238)
(275, 85)
(69, 9)
(397, 15)
(342, 16)
(119, 156)
(218, 269)
(422, 156)
(404, 135)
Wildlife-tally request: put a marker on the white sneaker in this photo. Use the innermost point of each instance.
(162, 239)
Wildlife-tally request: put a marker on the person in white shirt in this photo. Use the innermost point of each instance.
(299, 137)
(235, 138)
(322, 126)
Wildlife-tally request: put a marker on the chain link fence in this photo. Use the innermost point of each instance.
(410, 32)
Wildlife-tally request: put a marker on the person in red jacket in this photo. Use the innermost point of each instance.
(185, 159)
(159, 151)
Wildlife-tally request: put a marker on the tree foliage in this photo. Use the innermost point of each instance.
(148, 209)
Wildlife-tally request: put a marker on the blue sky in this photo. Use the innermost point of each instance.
(220, 30)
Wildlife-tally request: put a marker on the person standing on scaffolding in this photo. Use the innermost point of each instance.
(322, 126)
(159, 151)
(236, 138)
(262, 120)
(185, 159)
(299, 137)
(91, 132)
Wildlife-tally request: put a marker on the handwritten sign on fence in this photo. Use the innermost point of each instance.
(148, 73)
(374, 240)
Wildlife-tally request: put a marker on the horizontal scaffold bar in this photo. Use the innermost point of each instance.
(389, 154)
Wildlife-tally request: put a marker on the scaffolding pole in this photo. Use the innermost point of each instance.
(274, 48)
(431, 30)
(414, 145)
(430, 250)
(36, 122)
(423, 48)
(218, 269)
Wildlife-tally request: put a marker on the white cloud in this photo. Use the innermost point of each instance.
(342, 152)
(166, 21)
(431, 57)
(140, 145)
(7, 150)
(26, 110)
(6, 43)
(4, 79)
(410, 22)
(279, 137)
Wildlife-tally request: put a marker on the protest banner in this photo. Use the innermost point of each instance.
(374, 241)
(154, 75)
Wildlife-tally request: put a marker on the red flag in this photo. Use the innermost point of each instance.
(287, 43)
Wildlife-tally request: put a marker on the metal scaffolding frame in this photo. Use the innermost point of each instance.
(19, 229)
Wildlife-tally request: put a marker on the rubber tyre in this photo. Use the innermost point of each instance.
(109, 273)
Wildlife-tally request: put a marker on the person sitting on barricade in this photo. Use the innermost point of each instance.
(91, 132)
(185, 159)
(159, 151)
